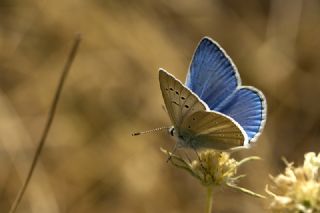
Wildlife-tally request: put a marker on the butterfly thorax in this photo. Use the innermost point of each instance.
(183, 139)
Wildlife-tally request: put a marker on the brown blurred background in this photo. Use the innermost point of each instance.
(91, 163)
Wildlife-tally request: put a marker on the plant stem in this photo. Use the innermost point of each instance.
(209, 199)
(46, 129)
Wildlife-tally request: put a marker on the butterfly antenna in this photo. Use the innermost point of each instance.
(149, 131)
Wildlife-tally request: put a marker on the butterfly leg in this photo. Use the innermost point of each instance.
(172, 152)
(198, 156)
(187, 156)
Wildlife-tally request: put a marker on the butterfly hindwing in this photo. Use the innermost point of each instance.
(179, 100)
(248, 107)
(210, 129)
(212, 74)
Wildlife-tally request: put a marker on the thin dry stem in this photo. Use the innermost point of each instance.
(50, 118)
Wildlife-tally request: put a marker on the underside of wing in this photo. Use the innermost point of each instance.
(179, 100)
(210, 129)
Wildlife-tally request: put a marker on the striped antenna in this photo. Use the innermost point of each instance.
(149, 131)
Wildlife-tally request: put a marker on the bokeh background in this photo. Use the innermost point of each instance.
(90, 162)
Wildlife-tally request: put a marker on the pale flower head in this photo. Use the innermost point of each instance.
(213, 168)
(298, 189)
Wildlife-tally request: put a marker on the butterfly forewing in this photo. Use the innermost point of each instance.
(179, 100)
(212, 74)
(210, 129)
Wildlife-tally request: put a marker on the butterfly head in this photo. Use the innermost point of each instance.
(183, 140)
(172, 131)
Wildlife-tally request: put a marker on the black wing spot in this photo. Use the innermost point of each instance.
(189, 127)
(186, 106)
(177, 92)
(183, 98)
(193, 119)
(171, 89)
(166, 89)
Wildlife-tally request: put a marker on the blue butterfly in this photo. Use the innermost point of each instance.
(212, 110)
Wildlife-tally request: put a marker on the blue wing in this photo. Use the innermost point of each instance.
(212, 75)
(215, 79)
(248, 107)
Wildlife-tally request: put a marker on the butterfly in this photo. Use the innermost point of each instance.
(212, 110)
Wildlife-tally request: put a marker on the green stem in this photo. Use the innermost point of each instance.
(209, 199)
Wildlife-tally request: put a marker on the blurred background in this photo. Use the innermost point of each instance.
(90, 162)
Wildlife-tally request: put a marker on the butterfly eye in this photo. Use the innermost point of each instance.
(171, 131)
